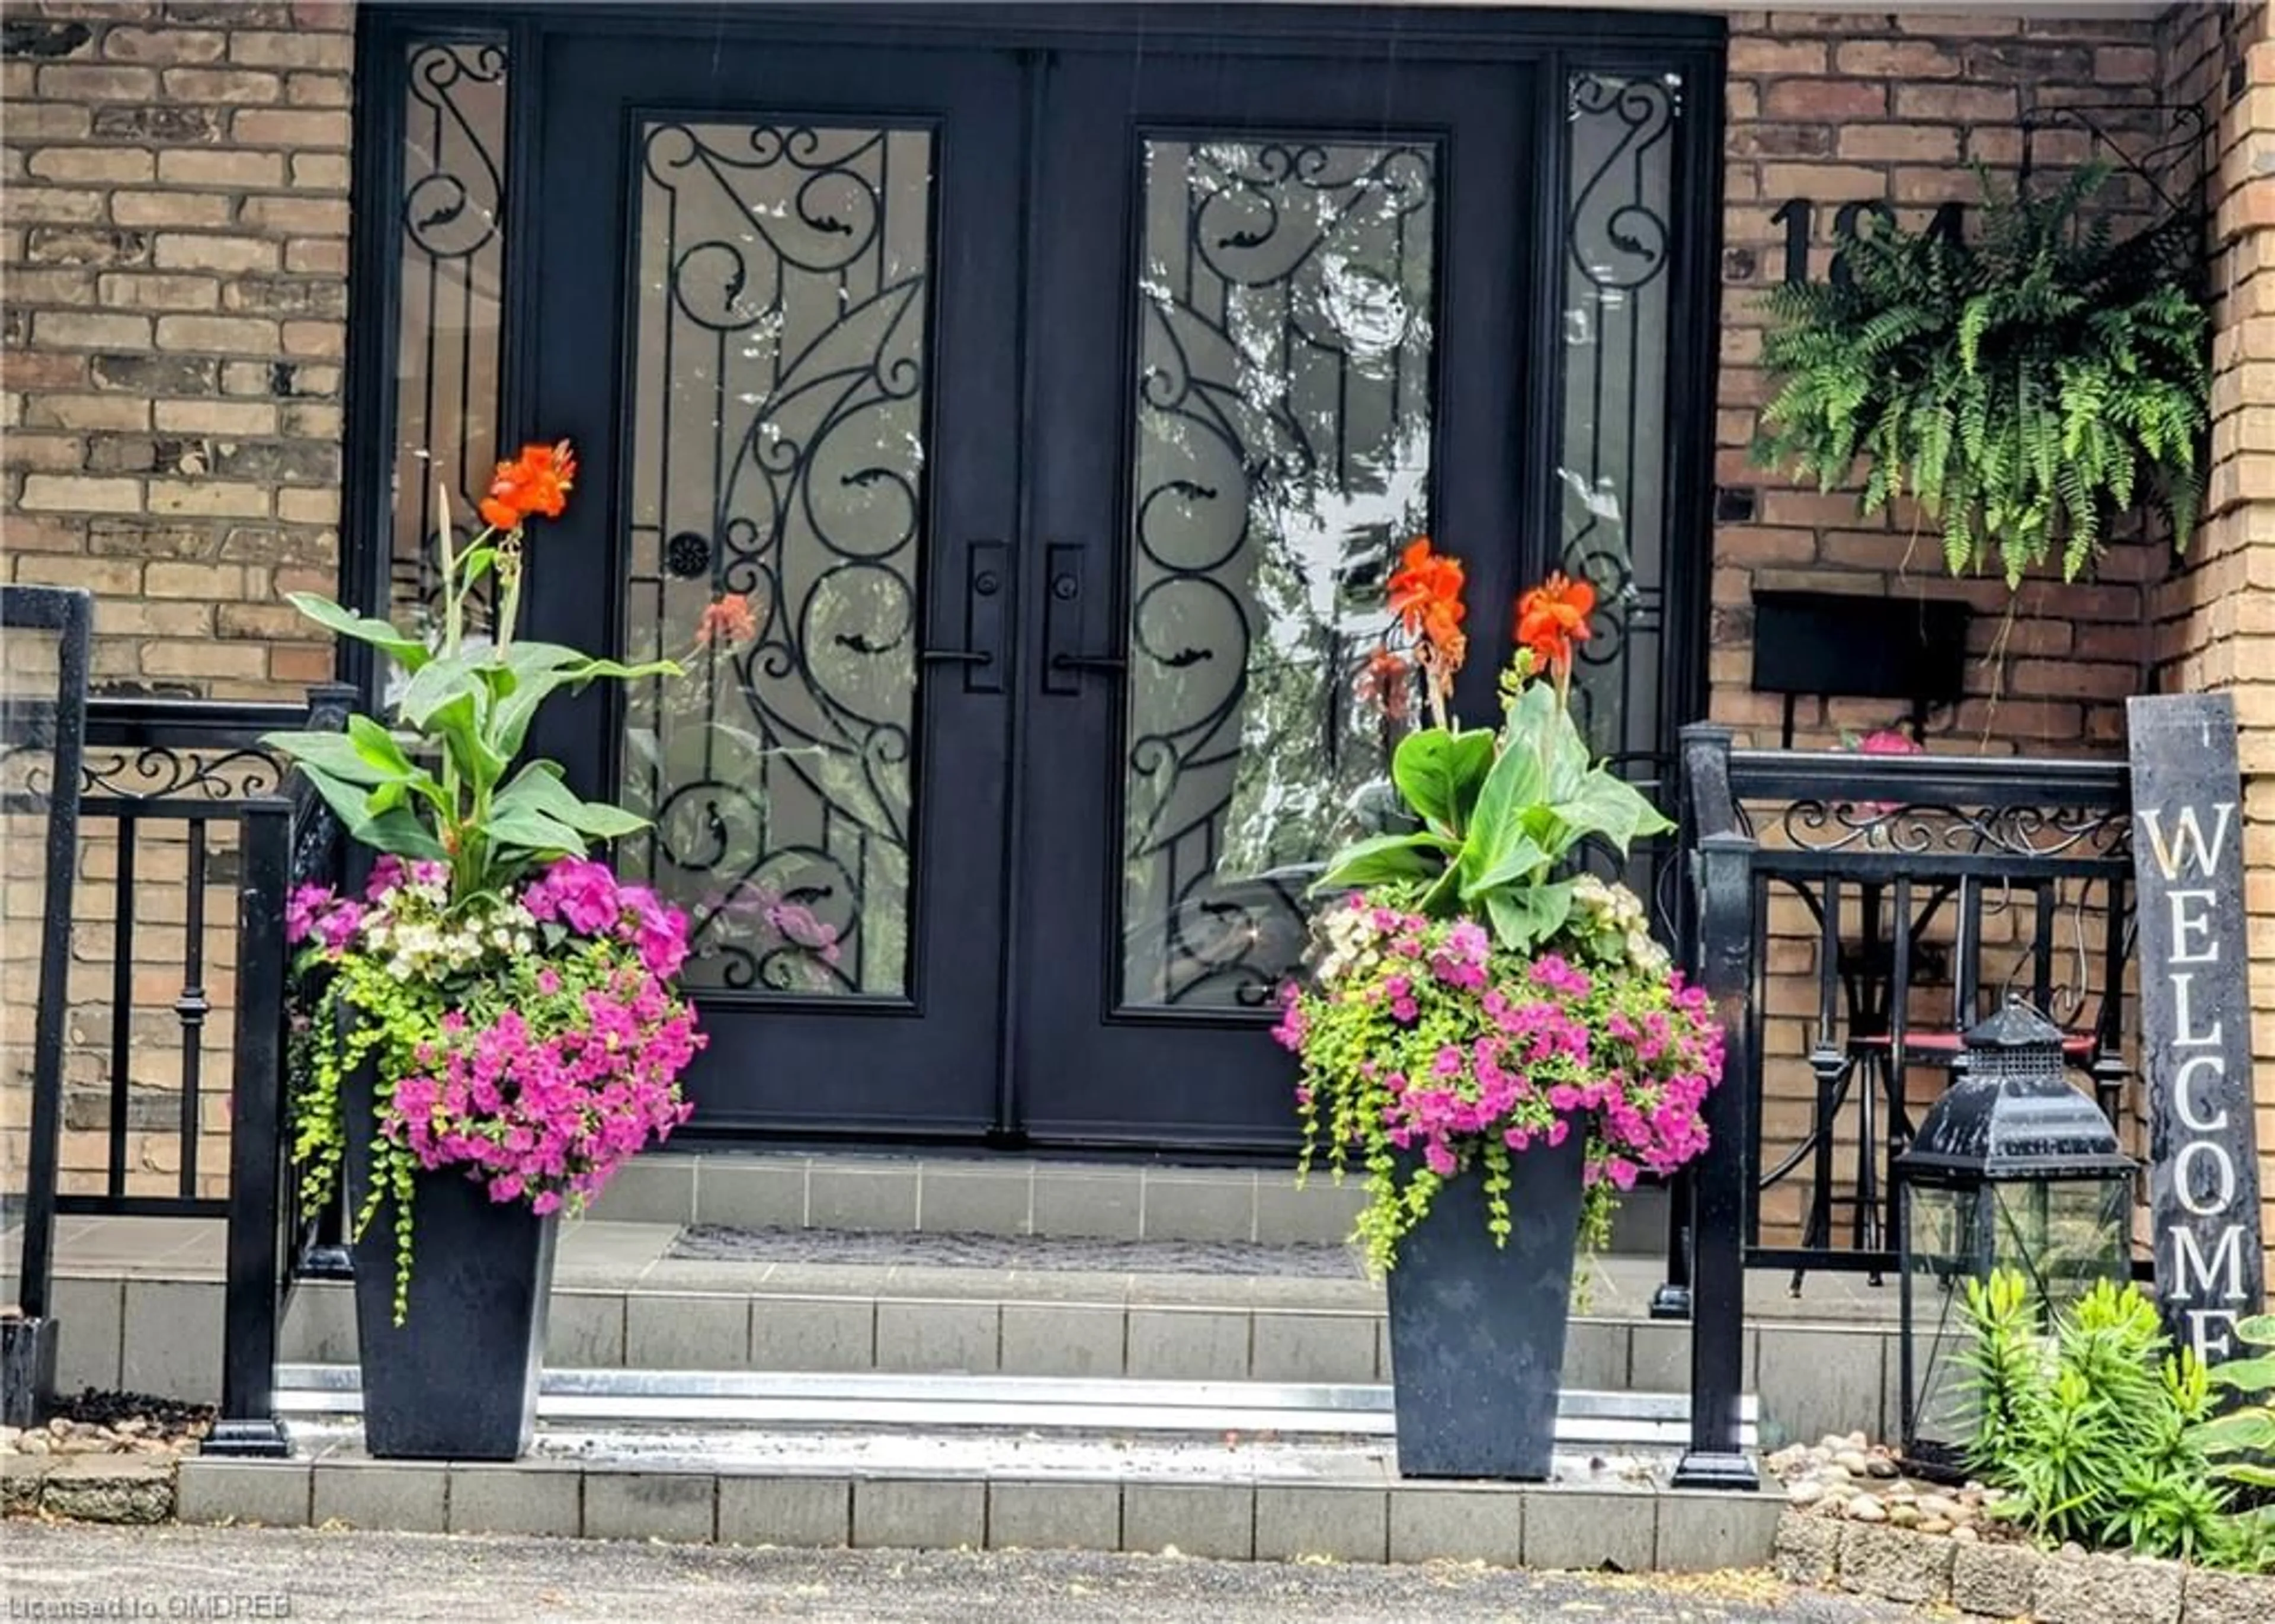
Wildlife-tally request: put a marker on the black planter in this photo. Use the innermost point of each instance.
(457, 1379)
(1476, 1330)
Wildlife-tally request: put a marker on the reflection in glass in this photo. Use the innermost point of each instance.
(1612, 460)
(777, 500)
(1283, 438)
(449, 342)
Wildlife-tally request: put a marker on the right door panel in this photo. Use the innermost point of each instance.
(1246, 408)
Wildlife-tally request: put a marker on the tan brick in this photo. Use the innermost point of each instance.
(203, 659)
(98, 412)
(189, 580)
(145, 292)
(146, 208)
(54, 453)
(49, 287)
(308, 507)
(76, 330)
(118, 578)
(1959, 103)
(1896, 59)
(319, 170)
(292, 50)
(215, 417)
(48, 121)
(226, 498)
(224, 85)
(1903, 143)
(318, 90)
(180, 251)
(49, 204)
(318, 338)
(300, 216)
(1827, 183)
(66, 492)
(1750, 54)
(138, 618)
(238, 334)
(325, 256)
(90, 164)
(268, 622)
(263, 128)
(65, 81)
(1824, 99)
(164, 45)
(194, 167)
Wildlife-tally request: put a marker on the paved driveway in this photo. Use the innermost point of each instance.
(79, 1571)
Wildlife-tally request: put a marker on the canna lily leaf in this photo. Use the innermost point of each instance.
(1440, 773)
(1383, 857)
(409, 651)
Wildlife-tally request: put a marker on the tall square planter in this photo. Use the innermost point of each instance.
(1477, 1330)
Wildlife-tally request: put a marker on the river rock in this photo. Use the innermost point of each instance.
(1852, 1462)
(1865, 1509)
(1808, 1491)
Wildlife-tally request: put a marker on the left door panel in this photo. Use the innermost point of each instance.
(776, 293)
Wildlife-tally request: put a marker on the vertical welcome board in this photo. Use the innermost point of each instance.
(2195, 1016)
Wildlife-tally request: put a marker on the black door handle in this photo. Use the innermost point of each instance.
(1088, 662)
(984, 622)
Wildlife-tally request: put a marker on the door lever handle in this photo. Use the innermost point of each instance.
(1089, 662)
(955, 657)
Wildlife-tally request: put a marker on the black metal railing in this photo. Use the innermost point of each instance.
(125, 778)
(1853, 916)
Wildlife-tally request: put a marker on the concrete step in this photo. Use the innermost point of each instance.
(911, 1488)
(1012, 1195)
(733, 1403)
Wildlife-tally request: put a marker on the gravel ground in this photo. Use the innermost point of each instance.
(1053, 1254)
(67, 1571)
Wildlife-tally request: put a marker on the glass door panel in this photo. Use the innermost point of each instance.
(775, 533)
(1286, 300)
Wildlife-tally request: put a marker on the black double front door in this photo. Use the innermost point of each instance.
(1011, 445)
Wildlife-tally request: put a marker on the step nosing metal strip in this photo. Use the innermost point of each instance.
(857, 1399)
(1253, 1397)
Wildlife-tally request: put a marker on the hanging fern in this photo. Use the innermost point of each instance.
(2026, 388)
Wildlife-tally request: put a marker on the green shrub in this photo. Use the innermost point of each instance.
(2098, 1434)
(2240, 1442)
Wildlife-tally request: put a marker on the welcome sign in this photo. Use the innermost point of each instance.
(2195, 1016)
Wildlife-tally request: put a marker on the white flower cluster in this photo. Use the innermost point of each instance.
(1614, 923)
(1347, 943)
(419, 944)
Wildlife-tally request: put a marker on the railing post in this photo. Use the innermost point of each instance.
(29, 1338)
(247, 1424)
(1721, 1185)
(1703, 803)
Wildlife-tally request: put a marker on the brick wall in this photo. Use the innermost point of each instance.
(173, 241)
(2215, 617)
(1894, 108)
(173, 258)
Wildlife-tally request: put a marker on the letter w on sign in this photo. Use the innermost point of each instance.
(2195, 1016)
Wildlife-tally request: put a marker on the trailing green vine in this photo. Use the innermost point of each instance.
(2028, 386)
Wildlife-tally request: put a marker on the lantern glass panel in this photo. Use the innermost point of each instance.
(2061, 1236)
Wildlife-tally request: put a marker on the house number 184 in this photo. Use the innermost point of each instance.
(1798, 217)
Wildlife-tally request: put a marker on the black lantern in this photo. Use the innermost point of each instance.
(2013, 1169)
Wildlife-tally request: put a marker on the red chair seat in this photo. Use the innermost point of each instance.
(2075, 1045)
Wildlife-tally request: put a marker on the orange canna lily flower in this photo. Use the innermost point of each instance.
(536, 482)
(1553, 616)
(727, 620)
(1426, 592)
(1383, 681)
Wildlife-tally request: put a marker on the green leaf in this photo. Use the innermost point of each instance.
(1609, 808)
(1381, 859)
(533, 831)
(1518, 858)
(1497, 838)
(456, 723)
(408, 651)
(387, 829)
(1440, 773)
(334, 753)
(546, 671)
(436, 685)
(538, 788)
(377, 747)
(1523, 916)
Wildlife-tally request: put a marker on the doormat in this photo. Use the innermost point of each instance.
(1044, 1254)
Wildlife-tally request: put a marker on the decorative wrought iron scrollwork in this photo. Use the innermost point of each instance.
(1919, 829)
(451, 216)
(786, 294)
(1282, 415)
